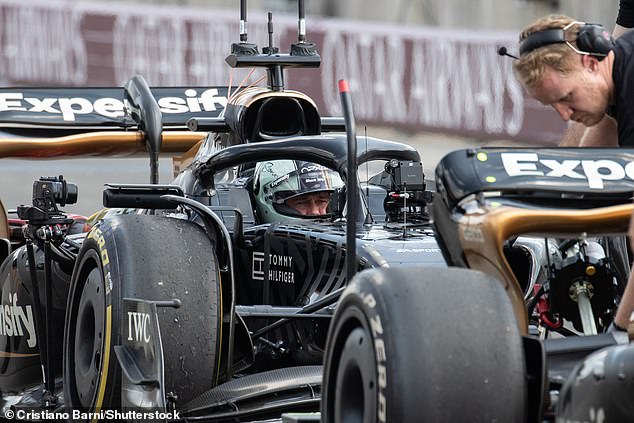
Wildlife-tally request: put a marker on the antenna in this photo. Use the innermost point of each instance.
(243, 54)
(270, 49)
(274, 72)
(243, 21)
(368, 216)
(301, 30)
(243, 48)
(302, 47)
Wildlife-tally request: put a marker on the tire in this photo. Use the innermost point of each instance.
(424, 345)
(151, 258)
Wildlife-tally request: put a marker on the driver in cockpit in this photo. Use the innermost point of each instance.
(293, 189)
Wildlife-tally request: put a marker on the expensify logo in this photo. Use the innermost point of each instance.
(594, 171)
(17, 320)
(207, 101)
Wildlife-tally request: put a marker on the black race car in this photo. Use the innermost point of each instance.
(209, 298)
(517, 327)
(218, 297)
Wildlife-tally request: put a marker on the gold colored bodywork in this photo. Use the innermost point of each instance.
(95, 144)
(92, 144)
(483, 233)
(179, 163)
(249, 96)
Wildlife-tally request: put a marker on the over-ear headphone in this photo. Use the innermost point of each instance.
(592, 40)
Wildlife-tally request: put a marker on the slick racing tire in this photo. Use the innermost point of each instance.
(424, 345)
(150, 258)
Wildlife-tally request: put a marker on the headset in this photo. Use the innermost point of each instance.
(592, 40)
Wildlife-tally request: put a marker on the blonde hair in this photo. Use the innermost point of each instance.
(531, 66)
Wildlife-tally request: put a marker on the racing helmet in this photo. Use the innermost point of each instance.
(277, 181)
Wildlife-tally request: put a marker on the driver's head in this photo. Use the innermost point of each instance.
(293, 188)
(313, 204)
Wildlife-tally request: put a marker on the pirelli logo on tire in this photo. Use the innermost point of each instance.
(97, 235)
(376, 327)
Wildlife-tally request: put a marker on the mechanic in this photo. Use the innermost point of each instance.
(286, 189)
(589, 80)
(576, 131)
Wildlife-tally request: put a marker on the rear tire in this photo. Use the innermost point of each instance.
(150, 258)
(424, 344)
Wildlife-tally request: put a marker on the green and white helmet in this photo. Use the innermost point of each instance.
(277, 181)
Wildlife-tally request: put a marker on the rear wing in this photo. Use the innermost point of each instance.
(85, 109)
(113, 112)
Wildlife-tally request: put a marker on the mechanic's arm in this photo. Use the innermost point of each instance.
(619, 30)
(603, 134)
(626, 306)
(572, 136)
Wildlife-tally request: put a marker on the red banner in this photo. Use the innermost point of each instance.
(410, 77)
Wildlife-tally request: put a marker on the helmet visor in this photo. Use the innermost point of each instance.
(309, 178)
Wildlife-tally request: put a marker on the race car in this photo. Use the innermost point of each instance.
(209, 298)
(519, 229)
(219, 297)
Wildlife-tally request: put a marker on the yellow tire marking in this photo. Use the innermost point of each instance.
(105, 363)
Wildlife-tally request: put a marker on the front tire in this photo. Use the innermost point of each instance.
(151, 258)
(424, 344)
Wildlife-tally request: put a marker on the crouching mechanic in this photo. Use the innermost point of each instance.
(288, 189)
(587, 77)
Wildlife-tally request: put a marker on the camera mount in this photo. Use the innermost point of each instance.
(407, 196)
(46, 225)
(48, 192)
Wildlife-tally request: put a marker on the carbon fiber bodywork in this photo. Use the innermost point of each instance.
(279, 281)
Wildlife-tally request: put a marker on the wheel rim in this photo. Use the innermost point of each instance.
(88, 339)
(355, 399)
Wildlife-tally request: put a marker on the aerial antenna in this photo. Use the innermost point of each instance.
(302, 47)
(301, 30)
(275, 72)
(244, 54)
(270, 49)
(244, 48)
(368, 216)
(243, 21)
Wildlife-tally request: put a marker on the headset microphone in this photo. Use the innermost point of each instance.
(502, 51)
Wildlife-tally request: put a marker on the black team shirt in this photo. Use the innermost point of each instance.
(623, 76)
(626, 14)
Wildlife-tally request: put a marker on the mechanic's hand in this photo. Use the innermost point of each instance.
(615, 328)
